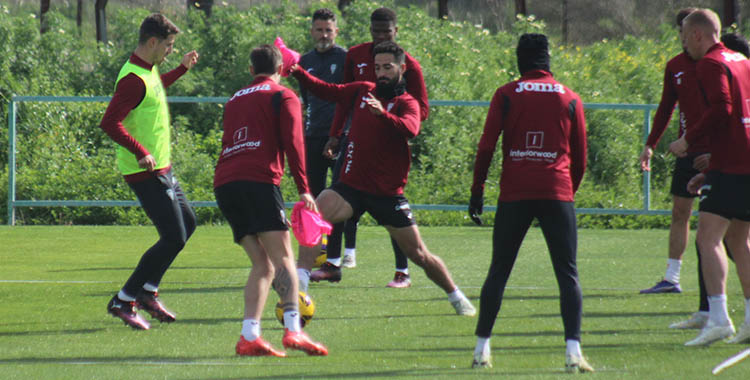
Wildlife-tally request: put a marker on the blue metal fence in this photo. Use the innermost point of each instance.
(13, 203)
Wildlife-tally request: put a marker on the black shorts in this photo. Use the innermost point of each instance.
(683, 172)
(387, 210)
(251, 207)
(726, 195)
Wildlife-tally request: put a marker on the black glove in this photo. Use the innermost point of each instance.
(476, 203)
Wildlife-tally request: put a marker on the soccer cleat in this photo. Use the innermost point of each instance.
(257, 347)
(300, 341)
(743, 334)
(149, 302)
(400, 280)
(349, 261)
(663, 286)
(464, 307)
(697, 321)
(574, 364)
(327, 272)
(126, 311)
(711, 333)
(481, 361)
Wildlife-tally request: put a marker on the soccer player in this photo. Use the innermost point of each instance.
(359, 66)
(724, 210)
(377, 163)
(137, 119)
(325, 61)
(544, 159)
(262, 122)
(680, 85)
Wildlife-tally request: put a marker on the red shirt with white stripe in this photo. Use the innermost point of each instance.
(544, 143)
(258, 133)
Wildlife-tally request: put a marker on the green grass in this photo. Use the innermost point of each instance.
(56, 281)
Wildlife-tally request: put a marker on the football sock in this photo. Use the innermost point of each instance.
(717, 310)
(291, 320)
(251, 329)
(673, 271)
(335, 261)
(350, 252)
(483, 347)
(573, 347)
(125, 297)
(456, 295)
(304, 279)
(404, 270)
(747, 311)
(150, 288)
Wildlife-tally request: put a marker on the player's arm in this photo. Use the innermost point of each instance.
(331, 92)
(578, 146)
(129, 93)
(713, 80)
(416, 88)
(405, 118)
(486, 148)
(661, 119)
(188, 61)
(292, 139)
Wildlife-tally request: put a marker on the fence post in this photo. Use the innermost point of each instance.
(11, 161)
(646, 173)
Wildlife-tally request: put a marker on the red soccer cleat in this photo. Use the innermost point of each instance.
(258, 347)
(149, 301)
(300, 341)
(126, 311)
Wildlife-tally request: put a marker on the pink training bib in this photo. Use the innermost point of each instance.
(308, 226)
(289, 56)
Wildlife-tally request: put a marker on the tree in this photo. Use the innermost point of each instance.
(43, 8)
(442, 9)
(565, 22)
(521, 7)
(101, 20)
(731, 13)
(204, 5)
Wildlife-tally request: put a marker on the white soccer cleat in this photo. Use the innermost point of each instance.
(482, 361)
(575, 364)
(697, 321)
(743, 334)
(464, 307)
(712, 333)
(349, 261)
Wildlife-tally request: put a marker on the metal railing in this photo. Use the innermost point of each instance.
(13, 203)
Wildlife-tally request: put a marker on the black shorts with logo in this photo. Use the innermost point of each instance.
(387, 210)
(726, 195)
(251, 207)
(683, 172)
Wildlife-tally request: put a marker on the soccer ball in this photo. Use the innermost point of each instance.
(306, 310)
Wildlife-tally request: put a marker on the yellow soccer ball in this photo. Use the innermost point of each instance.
(306, 310)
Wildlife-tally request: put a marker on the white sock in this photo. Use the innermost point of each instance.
(404, 270)
(125, 297)
(151, 288)
(717, 310)
(747, 311)
(483, 347)
(350, 252)
(456, 295)
(336, 261)
(251, 329)
(573, 347)
(304, 279)
(673, 271)
(291, 320)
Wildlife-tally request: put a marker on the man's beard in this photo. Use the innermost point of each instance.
(323, 44)
(386, 89)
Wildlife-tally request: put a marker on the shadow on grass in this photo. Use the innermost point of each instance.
(410, 373)
(213, 289)
(51, 332)
(643, 314)
(130, 269)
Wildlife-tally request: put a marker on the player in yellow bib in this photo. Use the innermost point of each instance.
(137, 119)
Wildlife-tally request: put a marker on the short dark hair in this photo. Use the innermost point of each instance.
(383, 14)
(532, 52)
(682, 13)
(737, 43)
(265, 59)
(324, 14)
(156, 25)
(390, 47)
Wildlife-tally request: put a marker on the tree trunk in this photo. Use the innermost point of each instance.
(79, 16)
(101, 20)
(521, 7)
(565, 22)
(43, 8)
(731, 13)
(442, 9)
(343, 4)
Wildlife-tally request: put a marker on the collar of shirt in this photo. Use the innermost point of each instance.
(533, 74)
(136, 60)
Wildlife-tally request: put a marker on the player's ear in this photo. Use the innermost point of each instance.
(252, 70)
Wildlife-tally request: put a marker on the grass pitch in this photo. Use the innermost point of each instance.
(55, 283)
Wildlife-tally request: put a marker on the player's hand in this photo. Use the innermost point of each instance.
(646, 157)
(679, 147)
(293, 68)
(331, 148)
(309, 201)
(695, 183)
(375, 106)
(701, 162)
(147, 162)
(190, 59)
(476, 204)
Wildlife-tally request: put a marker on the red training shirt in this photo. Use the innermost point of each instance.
(680, 85)
(724, 77)
(544, 147)
(359, 65)
(257, 133)
(378, 157)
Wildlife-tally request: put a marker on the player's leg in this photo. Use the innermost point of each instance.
(737, 241)
(512, 221)
(350, 246)
(401, 278)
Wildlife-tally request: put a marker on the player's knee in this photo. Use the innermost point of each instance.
(681, 212)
